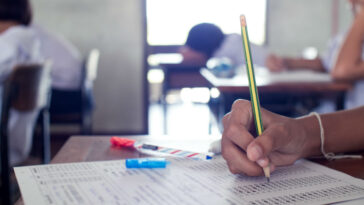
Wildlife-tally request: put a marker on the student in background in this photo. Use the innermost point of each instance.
(349, 64)
(207, 41)
(336, 61)
(19, 44)
(66, 71)
(65, 57)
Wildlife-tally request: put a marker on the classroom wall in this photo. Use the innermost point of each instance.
(345, 16)
(296, 24)
(116, 28)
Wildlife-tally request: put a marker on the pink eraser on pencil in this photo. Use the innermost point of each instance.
(122, 142)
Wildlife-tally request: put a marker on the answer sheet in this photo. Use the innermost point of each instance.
(184, 181)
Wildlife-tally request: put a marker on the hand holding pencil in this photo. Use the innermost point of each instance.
(236, 136)
(283, 141)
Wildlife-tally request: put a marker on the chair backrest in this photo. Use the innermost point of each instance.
(79, 107)
(90, 68)
(29, 86)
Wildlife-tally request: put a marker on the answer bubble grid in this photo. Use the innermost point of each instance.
(317, 195)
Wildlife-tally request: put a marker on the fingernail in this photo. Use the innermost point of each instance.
(256, 153)
(262, 162)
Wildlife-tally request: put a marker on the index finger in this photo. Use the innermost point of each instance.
(241, 114)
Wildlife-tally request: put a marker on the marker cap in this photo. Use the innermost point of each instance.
(146, 163)
(122, 142)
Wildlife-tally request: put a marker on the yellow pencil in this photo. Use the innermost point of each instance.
(252, 85)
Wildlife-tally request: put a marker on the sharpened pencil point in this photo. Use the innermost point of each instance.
(268, 179)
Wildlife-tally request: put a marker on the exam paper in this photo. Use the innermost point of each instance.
(184, 181)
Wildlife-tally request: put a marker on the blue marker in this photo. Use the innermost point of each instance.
(146, 163)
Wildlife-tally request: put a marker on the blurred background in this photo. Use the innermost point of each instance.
(136, 37)
(129, 33)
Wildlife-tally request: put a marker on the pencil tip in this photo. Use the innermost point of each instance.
(268, 179)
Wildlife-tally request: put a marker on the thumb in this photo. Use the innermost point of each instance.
(272, 139)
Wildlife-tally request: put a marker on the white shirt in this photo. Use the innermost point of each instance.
(67, 61)
(355, 97)
(19, 45)
(232, 48)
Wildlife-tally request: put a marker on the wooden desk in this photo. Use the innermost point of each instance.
(279, 92)
(297, 82)
(87, 148)
(177, 76)
(84, 148)
(91, 148)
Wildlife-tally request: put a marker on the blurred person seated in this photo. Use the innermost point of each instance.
(207, 41)
(344, 60)
(66, 59)
(66, 74)
(19, 44)
(25, 42)
(66, 71)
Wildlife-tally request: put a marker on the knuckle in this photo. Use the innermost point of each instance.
(230, 131)
(225, 120)
(225, 154)
(225, 151)
(238, 104)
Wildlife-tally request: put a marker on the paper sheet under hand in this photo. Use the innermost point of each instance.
(184, 181)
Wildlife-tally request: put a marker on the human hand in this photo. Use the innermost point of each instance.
(275, 63)
(283, 141)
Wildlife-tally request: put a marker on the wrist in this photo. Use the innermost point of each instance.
(311, 134)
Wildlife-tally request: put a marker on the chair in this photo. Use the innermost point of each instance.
(76, 106)
(26, 89)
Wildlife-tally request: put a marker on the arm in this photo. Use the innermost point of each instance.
(299, 63)
(192, 57)
(275, 63)
(349, 64)
(285, 140)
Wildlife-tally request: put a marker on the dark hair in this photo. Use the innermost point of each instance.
(205, 37)
(16, 10)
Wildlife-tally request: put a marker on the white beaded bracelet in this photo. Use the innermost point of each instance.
(330, 155)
